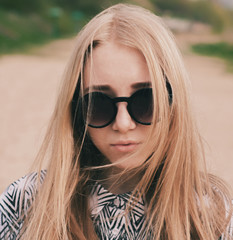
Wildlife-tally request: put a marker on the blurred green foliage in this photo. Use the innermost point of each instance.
(204, 11)
(221, 49)
(88, 7)
(23, 22)
(19, 32)
(24, 6)
(16, 29)
(27, 22)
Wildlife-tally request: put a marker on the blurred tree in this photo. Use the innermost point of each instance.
(178, 7)
(88, 7)
(211, 13)
(199, 10)
(23, 5)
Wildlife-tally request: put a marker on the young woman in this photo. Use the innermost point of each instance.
(125, 160)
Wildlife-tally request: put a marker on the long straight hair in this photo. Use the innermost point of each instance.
(182, 201)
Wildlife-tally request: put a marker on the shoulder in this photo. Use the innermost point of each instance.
(15, 203)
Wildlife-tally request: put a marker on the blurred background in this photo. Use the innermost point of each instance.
(36, 40)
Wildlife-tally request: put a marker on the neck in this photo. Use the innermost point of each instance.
(120, 181)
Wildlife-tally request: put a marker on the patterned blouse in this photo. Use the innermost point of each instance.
(110, 218)
(111, 222)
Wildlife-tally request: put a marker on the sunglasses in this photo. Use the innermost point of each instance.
(100, 110)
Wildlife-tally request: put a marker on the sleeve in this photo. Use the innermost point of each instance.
(14, 205)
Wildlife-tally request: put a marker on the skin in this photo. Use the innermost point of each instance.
(117, 71)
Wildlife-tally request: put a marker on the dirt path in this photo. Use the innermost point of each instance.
(28, 87)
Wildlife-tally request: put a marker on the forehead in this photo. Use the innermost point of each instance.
(115, 65)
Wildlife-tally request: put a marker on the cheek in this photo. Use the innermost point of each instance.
(97, 136)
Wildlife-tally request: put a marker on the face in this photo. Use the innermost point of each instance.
(119, 71)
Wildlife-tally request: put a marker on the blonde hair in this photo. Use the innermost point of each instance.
(183, 203)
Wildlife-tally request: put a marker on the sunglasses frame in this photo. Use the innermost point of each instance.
(115, 109)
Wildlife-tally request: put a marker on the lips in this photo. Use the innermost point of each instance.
(125, 146)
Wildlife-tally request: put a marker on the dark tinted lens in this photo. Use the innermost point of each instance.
(141, 106)
(101, 109)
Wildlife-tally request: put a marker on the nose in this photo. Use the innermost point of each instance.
(123, 121)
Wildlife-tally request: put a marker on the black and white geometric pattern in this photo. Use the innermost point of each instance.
(111, 218)
(14, 205)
